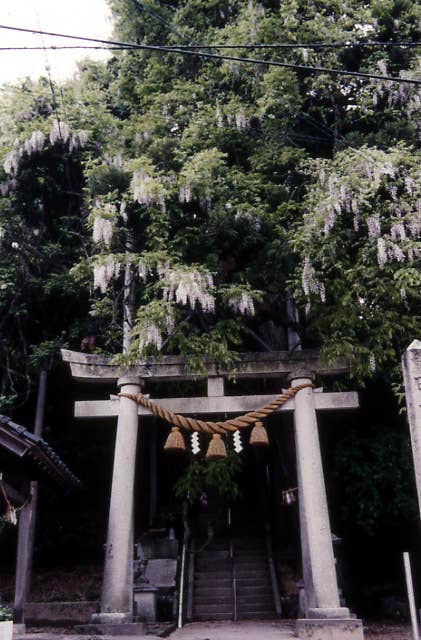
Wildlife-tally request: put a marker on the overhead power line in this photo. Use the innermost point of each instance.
(214, 56)
(287, 45)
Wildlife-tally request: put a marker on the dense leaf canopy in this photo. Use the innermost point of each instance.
(216, 191)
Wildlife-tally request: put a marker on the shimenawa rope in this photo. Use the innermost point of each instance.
(207, 426)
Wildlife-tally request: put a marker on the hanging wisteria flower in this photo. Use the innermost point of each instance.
(242, 304)
(150, 334)
(382, 256)
(185, 194)
(373, 224)
(147, 190)
(397, 232)
(144, 269)
(190, 286)
(35, 143)
(104, 272)
(102, 230)
(12, 161)
(309, 281)
(60, 131)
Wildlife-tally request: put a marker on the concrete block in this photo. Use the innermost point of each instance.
(329, 629)
(119, 629)
(326, 612)
(145, 603)
(161, 572)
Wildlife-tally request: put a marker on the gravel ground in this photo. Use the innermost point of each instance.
(228, 631)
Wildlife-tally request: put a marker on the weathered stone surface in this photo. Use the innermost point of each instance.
(320, 581)
(145, 607)
(215, 405)
(96, 368)
(148, 548)
(117, 589)
(161, 572)
(59, 613)
(330, 629)
(112, 629)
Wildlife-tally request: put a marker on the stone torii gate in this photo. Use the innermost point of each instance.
(324, 613)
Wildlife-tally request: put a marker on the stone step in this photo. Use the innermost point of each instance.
(253, 589)
(254, 572)
(256, 615)
(221, 591)
(259, 597)
(212, 608)
(252, 582)
(217, 574)
(205, 617)
(250, 565)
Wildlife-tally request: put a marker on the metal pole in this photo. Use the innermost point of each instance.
(181, 596)
(411, 597)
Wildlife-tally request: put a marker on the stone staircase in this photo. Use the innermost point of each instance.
(217, 576)
(254, 587)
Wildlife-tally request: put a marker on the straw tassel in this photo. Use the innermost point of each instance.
(259, 436)
(216, 448)
(175, 441)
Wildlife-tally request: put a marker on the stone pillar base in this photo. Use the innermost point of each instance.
(329, 612)
(329, 629)
(115, 617)
(110, 628)
(145, 603)
(19, 628)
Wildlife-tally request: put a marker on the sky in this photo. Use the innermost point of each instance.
(77, 17)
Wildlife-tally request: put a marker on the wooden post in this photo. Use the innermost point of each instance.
(27, 520)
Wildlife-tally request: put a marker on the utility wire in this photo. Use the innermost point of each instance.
(213, 56)
(312, 45)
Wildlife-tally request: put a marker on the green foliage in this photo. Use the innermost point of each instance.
(374, 470)
(359, 244)
(203, 475)
(6, 613)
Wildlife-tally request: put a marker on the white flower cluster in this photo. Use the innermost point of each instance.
(363, 29)
(102, 231)
(185, 193)
(242, 304)
(372, 362)
(104, 272)
(374, 227)
(190, 286)
(150, 334)
(309, 281)
(31, 145)
(241, 120)
(35, 144)
(145, 190)
(61, 132)
(78, 140)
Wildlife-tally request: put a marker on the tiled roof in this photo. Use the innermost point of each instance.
(35, 453)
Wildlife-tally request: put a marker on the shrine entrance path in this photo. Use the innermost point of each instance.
(265, 630)
(253, 630)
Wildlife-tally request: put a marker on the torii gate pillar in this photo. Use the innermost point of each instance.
(117, 590)
(323, 610)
